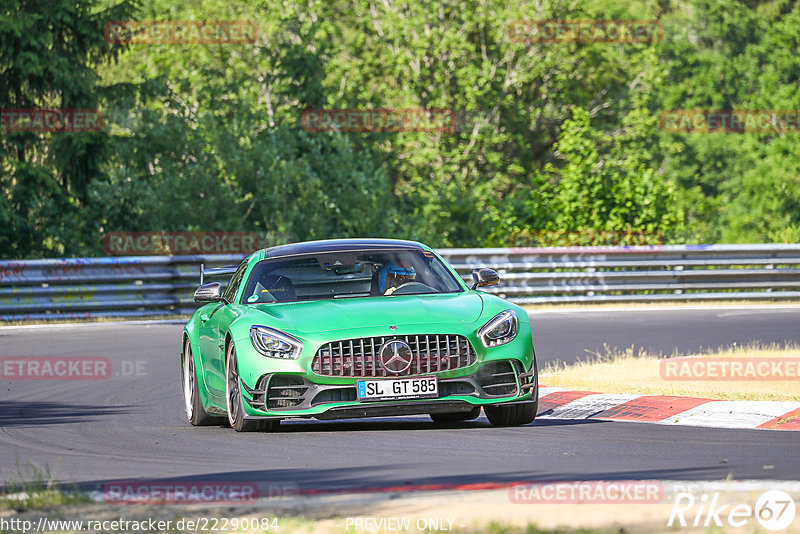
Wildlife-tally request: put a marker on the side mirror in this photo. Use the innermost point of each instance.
(209, 293)
(484, 277)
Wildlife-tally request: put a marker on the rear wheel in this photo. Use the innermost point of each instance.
(195, 412)
(233, 396)
(514, 415)
(455, 417)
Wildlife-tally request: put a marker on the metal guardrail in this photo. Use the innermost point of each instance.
(639, 273)
(85, 288)
(162, 285)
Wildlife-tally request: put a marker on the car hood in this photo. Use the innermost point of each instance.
(341, 314)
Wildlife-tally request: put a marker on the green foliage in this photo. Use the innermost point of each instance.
(558, 139)
(727, 56)
(49, 53)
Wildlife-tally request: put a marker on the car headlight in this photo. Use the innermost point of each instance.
(275, 344)
(500, 330)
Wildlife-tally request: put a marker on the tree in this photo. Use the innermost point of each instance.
(216, 143)
(48, 52)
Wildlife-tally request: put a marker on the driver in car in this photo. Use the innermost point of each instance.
(393, 276)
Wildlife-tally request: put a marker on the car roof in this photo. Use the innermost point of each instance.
(340, 245)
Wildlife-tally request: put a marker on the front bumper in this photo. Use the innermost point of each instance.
(282, 395)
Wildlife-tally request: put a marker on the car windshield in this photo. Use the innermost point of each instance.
(348, 275)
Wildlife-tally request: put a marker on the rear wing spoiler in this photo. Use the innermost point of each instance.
(216, 271)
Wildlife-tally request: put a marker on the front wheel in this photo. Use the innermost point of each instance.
(195, 412)
(514, 415)
(233, 397)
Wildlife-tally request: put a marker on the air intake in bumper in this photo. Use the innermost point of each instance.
(286, 391)
(498, 379)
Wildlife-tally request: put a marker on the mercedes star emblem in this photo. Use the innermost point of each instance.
(396, 356)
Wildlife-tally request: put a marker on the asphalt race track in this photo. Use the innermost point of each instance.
(131, 426)
(569, 334)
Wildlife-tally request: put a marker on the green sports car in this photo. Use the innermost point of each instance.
(352, 328)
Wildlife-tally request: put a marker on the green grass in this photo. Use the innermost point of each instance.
(638, 372)
(39, 492)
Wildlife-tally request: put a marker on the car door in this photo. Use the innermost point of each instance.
(213, 327)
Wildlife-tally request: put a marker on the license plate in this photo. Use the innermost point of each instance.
(423, 387)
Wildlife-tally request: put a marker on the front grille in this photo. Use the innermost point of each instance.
(431, 353)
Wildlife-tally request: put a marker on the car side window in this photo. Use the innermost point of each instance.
(236, 279)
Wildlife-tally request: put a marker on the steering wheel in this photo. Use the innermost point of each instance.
(412, 286)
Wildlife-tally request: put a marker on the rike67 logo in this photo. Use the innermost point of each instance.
(774, 510)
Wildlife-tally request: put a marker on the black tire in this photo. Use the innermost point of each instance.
(456, 417)
(514, 415)
(233, 397)
(193, 406)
